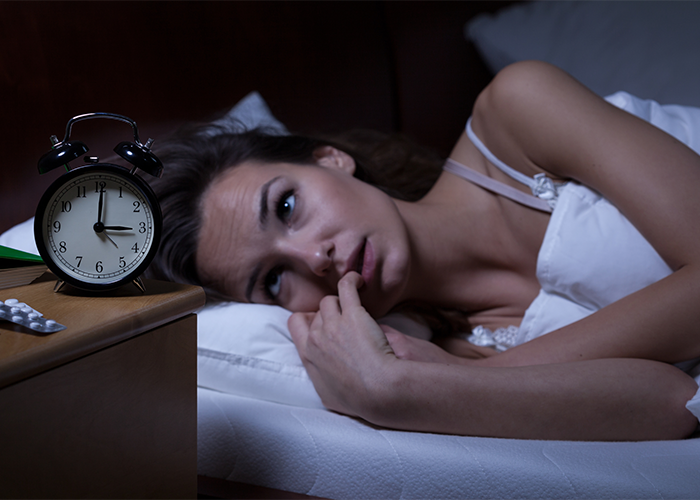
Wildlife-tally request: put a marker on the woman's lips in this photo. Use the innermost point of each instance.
(368, 262)
(354, 262)
(362, 261)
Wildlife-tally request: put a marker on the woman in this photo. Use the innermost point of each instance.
(340, 252)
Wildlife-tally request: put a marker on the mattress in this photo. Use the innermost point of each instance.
(320, 453)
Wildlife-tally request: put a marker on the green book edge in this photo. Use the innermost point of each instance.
(18, 255)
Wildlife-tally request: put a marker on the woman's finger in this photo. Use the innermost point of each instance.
(329, 306)
(299, 325)
(347, 290)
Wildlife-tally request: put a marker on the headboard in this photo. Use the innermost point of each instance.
(321, 66)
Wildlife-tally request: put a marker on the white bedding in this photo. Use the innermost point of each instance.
(324, 454)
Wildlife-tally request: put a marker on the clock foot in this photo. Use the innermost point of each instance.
(139, 284)
(58, 286)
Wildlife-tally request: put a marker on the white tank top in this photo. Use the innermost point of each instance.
(591, 255)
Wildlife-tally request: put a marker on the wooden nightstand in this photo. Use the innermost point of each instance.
(108, 407)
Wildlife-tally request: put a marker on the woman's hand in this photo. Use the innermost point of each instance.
(449, 350)
(465, 349)
(344, 350)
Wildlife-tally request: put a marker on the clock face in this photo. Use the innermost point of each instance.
(98, 227)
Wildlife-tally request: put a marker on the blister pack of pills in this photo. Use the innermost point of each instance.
(18, 312)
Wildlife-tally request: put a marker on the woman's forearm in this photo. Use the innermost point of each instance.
(660, 322)
(608, 399)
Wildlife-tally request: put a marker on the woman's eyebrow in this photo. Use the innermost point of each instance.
(264, 192)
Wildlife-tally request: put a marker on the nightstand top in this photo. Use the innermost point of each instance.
(93, 322)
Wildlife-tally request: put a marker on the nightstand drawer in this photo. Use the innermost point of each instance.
(118, 421)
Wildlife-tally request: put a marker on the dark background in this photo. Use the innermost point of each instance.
(321, 66)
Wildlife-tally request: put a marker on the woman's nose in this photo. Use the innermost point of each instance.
(316, 255)
(321, 258)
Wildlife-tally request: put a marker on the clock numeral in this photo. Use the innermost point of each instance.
(135, 248)
(122, 262)
(81, 191)
(142, 227)
(99, 186)
(56, 226)
(137, 206)
(66, 206)
(79, 258)
(120, 191)
(62, 247)
(98, 266)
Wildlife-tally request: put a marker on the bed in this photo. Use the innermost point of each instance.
(261, 423)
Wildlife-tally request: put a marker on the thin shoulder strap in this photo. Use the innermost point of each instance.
(518, 176)
(495, 186)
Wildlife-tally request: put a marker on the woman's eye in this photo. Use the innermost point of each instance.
(273, 281)
(285, 205)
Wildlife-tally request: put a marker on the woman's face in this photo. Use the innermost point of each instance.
(285, 234)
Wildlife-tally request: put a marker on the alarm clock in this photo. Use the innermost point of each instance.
(98, 226)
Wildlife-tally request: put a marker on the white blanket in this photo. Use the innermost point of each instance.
(324, 454)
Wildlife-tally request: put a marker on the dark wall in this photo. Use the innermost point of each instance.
(322, 66)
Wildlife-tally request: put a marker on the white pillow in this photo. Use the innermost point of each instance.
(251, 112)
(246, 349)
(650, 49)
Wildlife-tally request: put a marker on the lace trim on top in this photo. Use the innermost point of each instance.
(501, 339)
(542, 186)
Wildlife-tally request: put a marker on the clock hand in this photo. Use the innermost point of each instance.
(99, 226)
(116, 228)
(110, 239)
(99, 207)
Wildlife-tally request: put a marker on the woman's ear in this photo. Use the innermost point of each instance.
(330, 157)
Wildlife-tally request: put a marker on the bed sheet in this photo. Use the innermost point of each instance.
(319, 453)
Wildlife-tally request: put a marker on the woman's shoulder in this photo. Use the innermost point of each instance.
(518, 88)
(536, 115)
(510, 116)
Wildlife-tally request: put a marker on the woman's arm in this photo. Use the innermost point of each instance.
(355, 372)
(539, 119)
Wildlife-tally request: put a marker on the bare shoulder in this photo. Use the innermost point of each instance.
(530, 111)
(529, 88)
